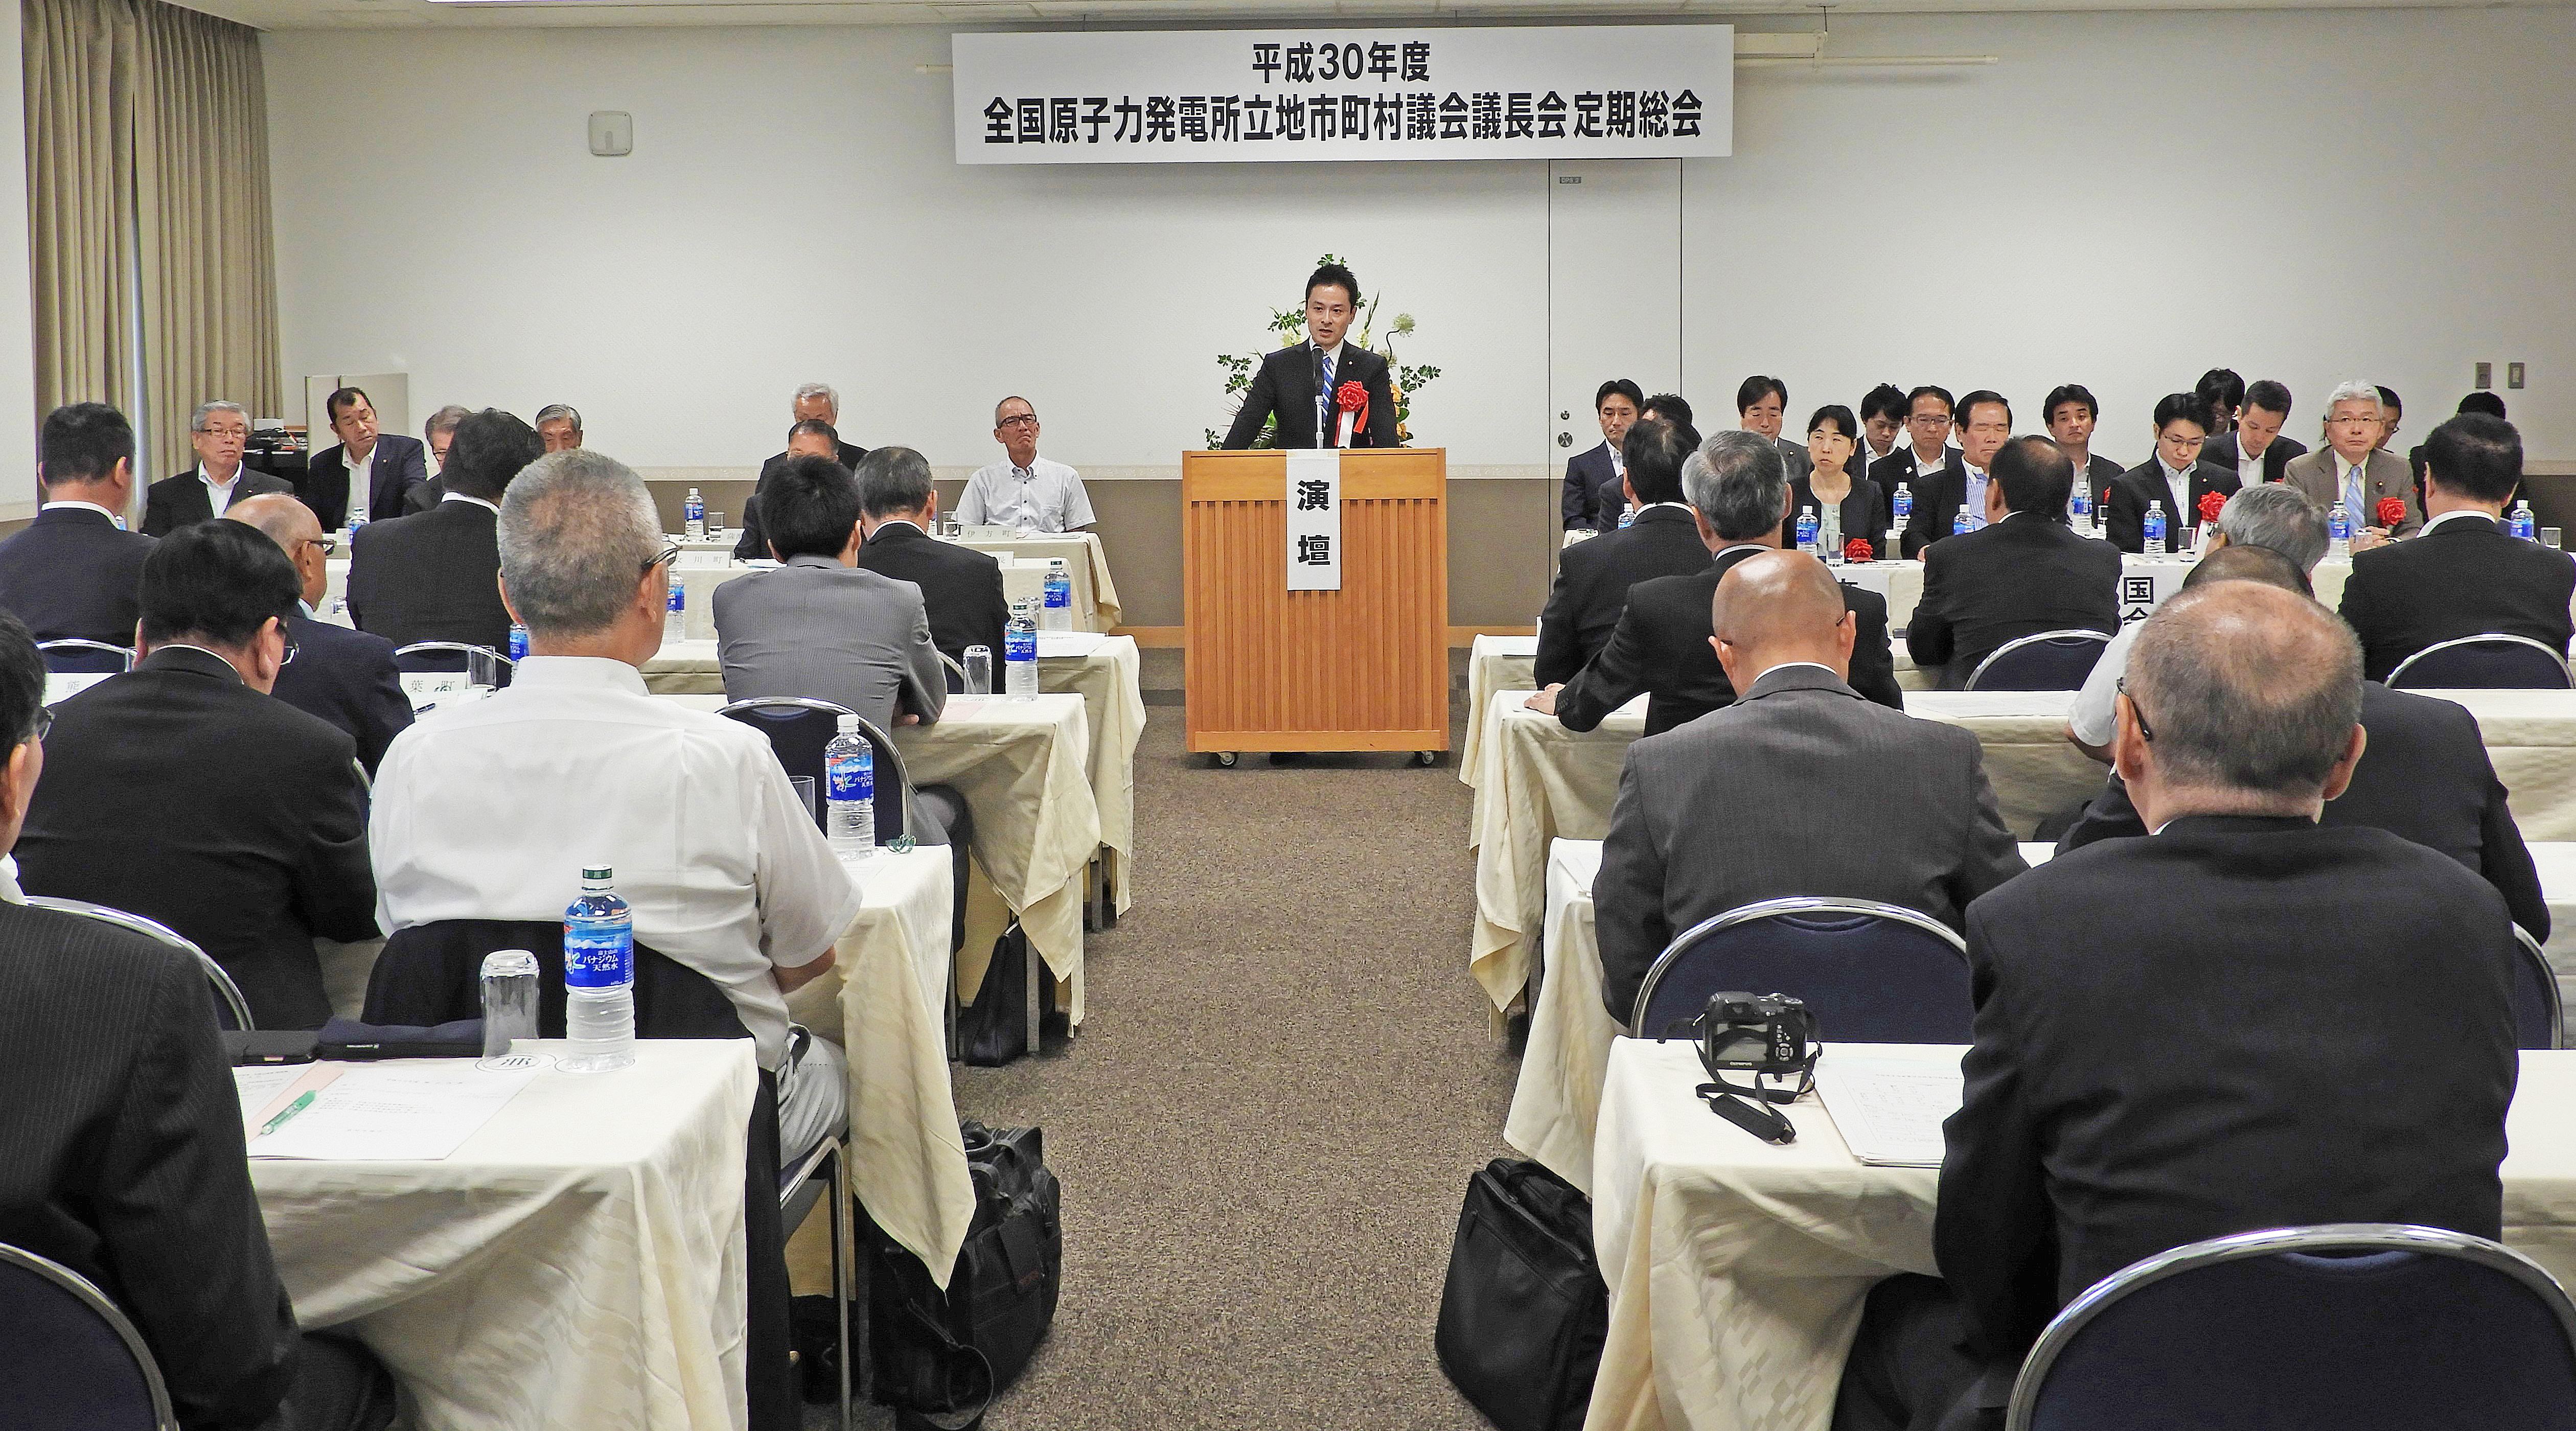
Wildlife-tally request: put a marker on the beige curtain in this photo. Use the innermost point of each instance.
(147, 173)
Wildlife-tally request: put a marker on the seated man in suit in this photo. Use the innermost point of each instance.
(2072, 413)
(1927, 467)
(125, 1144)
(2482, 402)
(1985, 420)
(2172, 480)
(961, 586)
(1592, 578)
(430, 576)
(72, 574)
(181, 792)
(814, 403)
(1882, 426)
(1738, 806)
(2426, 774)
(219, 431)
(369, 472)
(1663, 647)
(2353, 471)
(438, 434)
(345, 677)
(2464, 575)
(1592, 497)
(1760, 401)
(1024, 491)
(1300, 385)
(2254, 448)
(2221, 392)
(2108, 1115)
(2020, 575)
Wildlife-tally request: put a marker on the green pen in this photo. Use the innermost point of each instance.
(302, 1101)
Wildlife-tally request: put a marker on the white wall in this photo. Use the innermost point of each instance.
(17, 312)
(2125, 201)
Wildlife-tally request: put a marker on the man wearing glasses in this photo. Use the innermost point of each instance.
(1926, 465)
(2352, 470)
(345, 677)
(429, 576)
(219, 432)
(1026, 492)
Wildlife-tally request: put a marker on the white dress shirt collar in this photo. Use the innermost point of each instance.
(2462, 512)
(9, 890)
(219, 495)
(86, 507)
(492, 507)
(574, 672)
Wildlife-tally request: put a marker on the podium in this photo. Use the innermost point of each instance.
(1362, 668)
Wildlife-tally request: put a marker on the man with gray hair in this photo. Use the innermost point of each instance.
(1664, 646)
(438, 433)
(1024, 491)
(2351, 470)
(961, 586)
(2308, 1024)
(219, 431)
(813, 403)
(559, 426)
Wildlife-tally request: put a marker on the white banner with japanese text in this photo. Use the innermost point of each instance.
(1286, 93)
(1314, 519)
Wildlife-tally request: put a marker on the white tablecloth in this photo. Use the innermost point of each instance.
(578, 1263)
(1095, 596)
(1494, 663)
(1737, 1268)
(1901, 582)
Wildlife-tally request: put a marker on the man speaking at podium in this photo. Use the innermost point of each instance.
(1304, 384)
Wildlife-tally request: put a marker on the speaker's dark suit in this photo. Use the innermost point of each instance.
(73, 574)
(2021, 576)
(1592, 581)
(347, 678)
(2425, 775)
(401, 463)
(1286, 386)
(178, 793)
(961, 587)
(1936, 501)
(1803, 746)
(125, 1155)
(431, 576)
(753, 544)
(175, 502)
(1592, 499)
(2124, 520)
(2263, 1053)
(2465, 577)
(1660, 650)
(2223, 453)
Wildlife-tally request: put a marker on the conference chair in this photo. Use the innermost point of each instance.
(74, 1358)
(799, 727)
(2349, 1324)
(232, 1011)
(823, 1176)
(428, 669)
(2538, 1019)
(2049, 661)
(1873, 973)
(956, 673)
(2494, 661)
(73, 656)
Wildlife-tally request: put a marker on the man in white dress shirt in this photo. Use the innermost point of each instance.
(490, 810)
(1026, 491)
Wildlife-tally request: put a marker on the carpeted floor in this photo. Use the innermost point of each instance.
(1267, 1122)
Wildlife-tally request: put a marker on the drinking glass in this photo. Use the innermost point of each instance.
(2549, 537)
(804, 787)
(979, 670)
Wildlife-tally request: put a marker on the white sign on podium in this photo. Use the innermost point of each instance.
(1314, 519)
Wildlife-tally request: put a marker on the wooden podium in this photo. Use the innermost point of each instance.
(1362, 668)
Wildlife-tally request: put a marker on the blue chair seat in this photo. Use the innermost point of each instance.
(2490, 662)
(2049, 661)
(1872, 973)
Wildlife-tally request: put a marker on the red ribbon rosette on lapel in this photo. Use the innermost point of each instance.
(2391, 511)
(1353, 400)
(2211, 503)
(1858, 549)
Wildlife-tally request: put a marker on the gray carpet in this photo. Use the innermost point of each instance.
(1266, 1124)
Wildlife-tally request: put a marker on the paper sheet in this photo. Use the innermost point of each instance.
(1890, 1110)
(1069, 643)
(405, 1110)
(63, 685)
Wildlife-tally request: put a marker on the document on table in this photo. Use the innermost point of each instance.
(1890, 1110)
(1068, 643)
(267, 1088)
(405, 1110)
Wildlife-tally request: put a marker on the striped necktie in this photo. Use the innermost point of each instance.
(1324, 404)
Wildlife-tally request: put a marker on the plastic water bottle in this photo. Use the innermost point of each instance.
(675, 617)
(2156, 528)
(1960, 522)
(518, 642)
(1829, 535)
(693, 516)
(357, 519)
(1020, 654)
(1627, 517)
(2338, 531)
(1807, 529)
(2522, 522)
(850, 792)
(2079, 508)
(1904, 504)
(1059, 597)
(599, 977)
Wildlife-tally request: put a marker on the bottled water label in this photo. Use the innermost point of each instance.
(852, 777)
(598, 955)
(1019, 646)
(1960, 522)
(2155, 533)
(1058, 612)
(1904, 503)
(693, 515)
(518, 642)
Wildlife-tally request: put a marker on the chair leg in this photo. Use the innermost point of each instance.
(841, 1267)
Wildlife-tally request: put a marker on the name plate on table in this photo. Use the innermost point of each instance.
(1314, 519)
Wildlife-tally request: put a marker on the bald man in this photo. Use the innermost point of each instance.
(1756, 800)
(345, 677)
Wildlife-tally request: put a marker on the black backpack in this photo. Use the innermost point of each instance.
(1524, 1311)
(941, 1357)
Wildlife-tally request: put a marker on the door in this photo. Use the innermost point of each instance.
(1614, 290)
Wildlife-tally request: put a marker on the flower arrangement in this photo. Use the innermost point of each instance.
(2391, 511)
(1288, 326)
(2211, 503)
(1859, 549)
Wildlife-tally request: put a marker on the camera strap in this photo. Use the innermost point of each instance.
(1756, 1118)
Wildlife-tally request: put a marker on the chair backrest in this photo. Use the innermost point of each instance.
(74, 656)
(2049, 661)
(956, 673)
(232, 1011)
(1872, 973)
(433, 973)
(74, 1358)
(799, 727)
(2494, 661)
(2346, 1325)
(2537, 1017)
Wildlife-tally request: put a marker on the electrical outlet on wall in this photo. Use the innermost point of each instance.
(2513, 375)
(2486, 376)
(612, 133)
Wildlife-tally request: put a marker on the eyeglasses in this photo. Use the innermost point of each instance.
(289, 658)
(327, 544)
(2145, 732)
(669, 554)
(1026, 419)
(44, 723)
